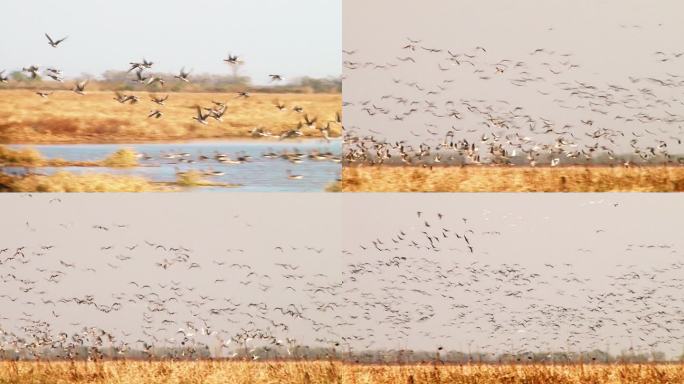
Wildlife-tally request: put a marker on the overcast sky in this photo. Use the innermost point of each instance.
(301, 38)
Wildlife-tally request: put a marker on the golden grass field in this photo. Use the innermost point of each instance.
(209, 372)
(513, 179)
(65, 117)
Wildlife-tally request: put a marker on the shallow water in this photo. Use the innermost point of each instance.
(259, 174)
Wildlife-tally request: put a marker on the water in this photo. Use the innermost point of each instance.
(259, 174)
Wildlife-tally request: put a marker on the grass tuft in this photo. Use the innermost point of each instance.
(190, 179)
(123, 158)
(26, 157)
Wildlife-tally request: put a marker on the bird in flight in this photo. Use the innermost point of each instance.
(54, 43)
(79, 88)
(201, 118)
(183, 76)
(157, 114)
(232, 59)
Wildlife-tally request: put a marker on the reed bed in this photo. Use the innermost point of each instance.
(513, 179)
(331, 372)
(517, 374)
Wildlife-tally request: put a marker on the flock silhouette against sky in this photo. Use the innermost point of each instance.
(262, 32)
(444, 277)
(204, 114)
(440, 122)
(528, 95)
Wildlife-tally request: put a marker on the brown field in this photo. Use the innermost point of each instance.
(65, 117)
(513, 179)
(208, 372)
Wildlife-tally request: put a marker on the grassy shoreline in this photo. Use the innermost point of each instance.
(99, 182)
(31, 158)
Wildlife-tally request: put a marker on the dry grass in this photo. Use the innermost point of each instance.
(513, 179)
(200, 372)
(26, 118)
(69, 182)
(518, 374)
(208, 372)
(190, 179)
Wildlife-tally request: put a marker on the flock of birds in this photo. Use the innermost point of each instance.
(426, 282)
(183, 304)
(215, 112)
(426, 105)
(294, 156)
(431, 283)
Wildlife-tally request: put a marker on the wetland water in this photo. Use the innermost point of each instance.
(159, 162)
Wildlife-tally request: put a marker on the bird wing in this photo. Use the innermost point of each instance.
(49, 38)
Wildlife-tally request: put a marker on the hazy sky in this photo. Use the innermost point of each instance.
(272, 36)
(598, 43)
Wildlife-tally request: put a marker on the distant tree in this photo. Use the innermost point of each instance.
(658, 356)
(116, 76)
(319, 85)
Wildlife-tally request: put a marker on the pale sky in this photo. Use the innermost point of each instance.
(301, 38)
